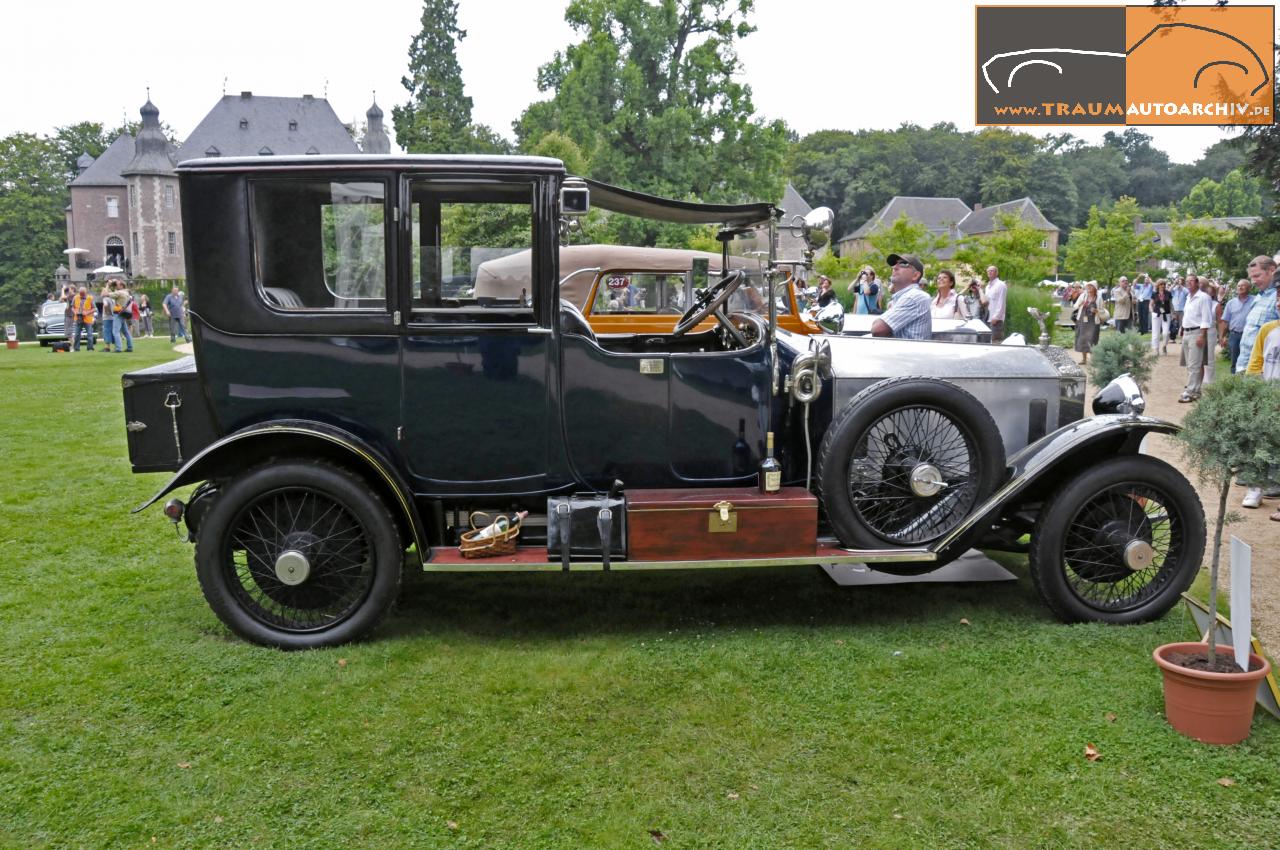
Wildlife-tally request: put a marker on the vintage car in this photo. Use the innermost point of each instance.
(51, 322)
(366, 378)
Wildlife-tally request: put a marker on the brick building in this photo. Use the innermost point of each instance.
(125, 205)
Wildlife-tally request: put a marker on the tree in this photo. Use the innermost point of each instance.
(1235, 195)
(904, 236)
(437, 118)
(1015, 248)
(563, 148)
(33, 195)
(1108, 245)
(1197, 246)
(651, 96)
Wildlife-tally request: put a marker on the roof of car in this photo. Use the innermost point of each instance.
(367, 161)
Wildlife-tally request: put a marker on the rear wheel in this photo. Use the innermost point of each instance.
(299, 555)
(1119, 543)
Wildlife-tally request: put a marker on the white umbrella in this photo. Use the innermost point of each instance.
(76, 251)
(108, 270)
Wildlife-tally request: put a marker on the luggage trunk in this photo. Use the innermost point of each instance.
(722, 522)
(166, 416)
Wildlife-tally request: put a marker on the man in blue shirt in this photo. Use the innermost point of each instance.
(1179, 293)
(1231, 327)
(1142, 297)
(1261, 271)
(909, 315)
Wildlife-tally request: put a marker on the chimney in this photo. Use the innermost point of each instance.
(308, 97)
(977, 207)
(245, 95)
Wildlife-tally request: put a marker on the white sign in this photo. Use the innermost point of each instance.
(1241, 621)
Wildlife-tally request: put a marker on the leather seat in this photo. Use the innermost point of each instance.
(286, 299)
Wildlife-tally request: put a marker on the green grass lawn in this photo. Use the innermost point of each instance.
(735, 708)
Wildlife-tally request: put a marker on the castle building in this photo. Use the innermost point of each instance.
(125, 208)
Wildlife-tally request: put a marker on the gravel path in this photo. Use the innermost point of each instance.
(1256, 529)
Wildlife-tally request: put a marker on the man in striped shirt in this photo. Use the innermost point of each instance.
(908, 316)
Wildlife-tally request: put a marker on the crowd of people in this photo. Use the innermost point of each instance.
(903, 311)
(118, 316)
(1207, 318)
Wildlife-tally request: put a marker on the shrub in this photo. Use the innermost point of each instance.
(1118, 353)
(1016, 318)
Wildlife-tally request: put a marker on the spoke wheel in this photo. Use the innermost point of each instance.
(912, 473)
(303, 535)
(298, 555)
(905, 462)
(1119, 543)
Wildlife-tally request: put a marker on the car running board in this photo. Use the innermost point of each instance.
(448, 559)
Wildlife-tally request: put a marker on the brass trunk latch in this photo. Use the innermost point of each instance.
(722, 518)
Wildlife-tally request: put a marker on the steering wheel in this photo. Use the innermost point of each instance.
(708, 301)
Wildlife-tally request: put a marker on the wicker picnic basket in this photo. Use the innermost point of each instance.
(473, 545)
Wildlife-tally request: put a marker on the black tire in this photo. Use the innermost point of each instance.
(865, 464)
(1078, 550)
(352, 550)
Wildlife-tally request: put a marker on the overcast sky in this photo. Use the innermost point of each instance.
(817, 64)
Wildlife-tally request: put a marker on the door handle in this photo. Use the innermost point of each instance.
(543, 331)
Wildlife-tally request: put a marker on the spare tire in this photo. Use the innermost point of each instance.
(906, 461)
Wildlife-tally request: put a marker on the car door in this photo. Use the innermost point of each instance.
(474, 358)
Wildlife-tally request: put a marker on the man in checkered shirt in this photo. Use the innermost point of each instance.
(908, 316)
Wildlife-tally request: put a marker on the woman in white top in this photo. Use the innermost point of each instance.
(946, 304)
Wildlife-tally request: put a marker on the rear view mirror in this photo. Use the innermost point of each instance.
(815, 228)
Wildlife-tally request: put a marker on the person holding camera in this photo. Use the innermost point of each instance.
(867, 293)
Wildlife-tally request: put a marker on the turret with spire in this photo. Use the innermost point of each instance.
(151, 148)
(155, 239)
(375, 137)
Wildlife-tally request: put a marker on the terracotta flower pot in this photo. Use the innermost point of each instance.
(1216, 708)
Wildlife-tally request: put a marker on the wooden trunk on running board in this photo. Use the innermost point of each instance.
(721, 522)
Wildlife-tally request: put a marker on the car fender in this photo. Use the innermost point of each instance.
(1063, 452)
(258, 442)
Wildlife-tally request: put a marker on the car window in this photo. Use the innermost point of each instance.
(622, 292)
(320, 244)
(472, 251)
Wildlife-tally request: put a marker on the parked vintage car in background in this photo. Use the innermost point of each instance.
(369, 372)
(51, 322)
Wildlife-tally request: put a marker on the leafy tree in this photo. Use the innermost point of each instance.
(33, 195)
(1098, 173)
(563, 148)
(1235, 195)
(1197, 246)
(1118, 354)
(1108, 245)
(1015, 248)
(651, 96)
(437, 118)
(75, 140)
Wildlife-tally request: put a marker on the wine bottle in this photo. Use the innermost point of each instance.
(770, 469)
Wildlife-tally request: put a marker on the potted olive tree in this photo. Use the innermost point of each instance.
(1233, 430)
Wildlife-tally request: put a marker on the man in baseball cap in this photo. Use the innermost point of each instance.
(908, 316)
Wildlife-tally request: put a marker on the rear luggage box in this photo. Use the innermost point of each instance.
(166, 416)
(709, 524)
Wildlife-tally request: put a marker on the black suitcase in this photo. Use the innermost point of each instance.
(579, 525)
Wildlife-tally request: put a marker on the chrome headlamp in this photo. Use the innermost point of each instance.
(1123, 395)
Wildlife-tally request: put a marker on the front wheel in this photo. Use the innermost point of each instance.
(1119, 543)
(299, 555)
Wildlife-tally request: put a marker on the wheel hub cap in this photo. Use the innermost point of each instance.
(292, 567)
(926, 480)
(1138, 555)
